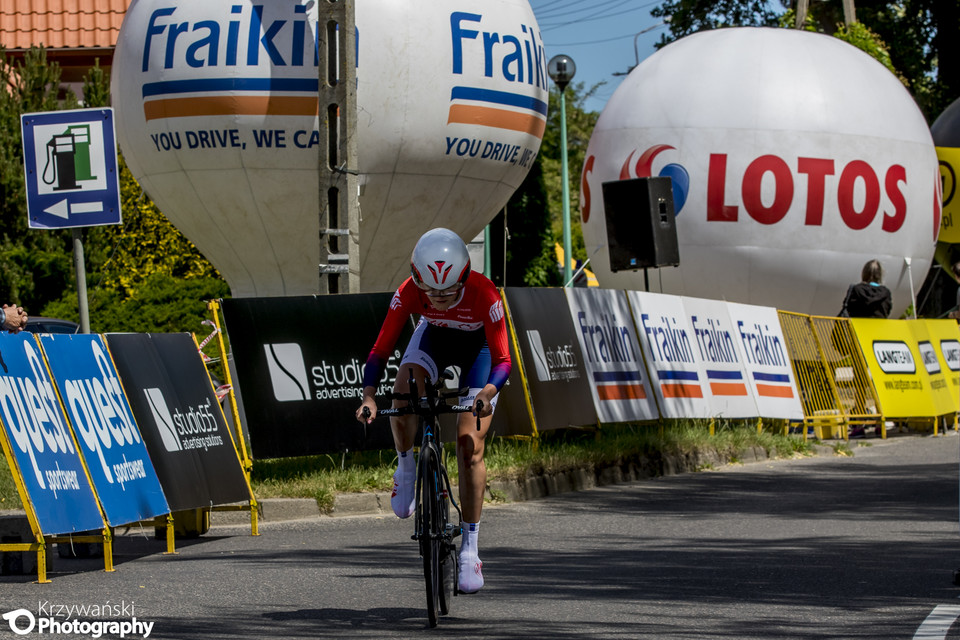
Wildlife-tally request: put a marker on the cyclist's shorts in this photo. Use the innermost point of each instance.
(436, 348)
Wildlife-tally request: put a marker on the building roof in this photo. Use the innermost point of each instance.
(61, 24)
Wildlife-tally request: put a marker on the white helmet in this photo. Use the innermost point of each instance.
(440, 260)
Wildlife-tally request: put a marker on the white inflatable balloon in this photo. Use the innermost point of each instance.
(795, 159)
(216, 114)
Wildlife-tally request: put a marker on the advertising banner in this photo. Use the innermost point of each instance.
(511, 418)
(608, 339)
(302, 375)
(668, 346)
(945, 337)
(552, 359)
(950, 220)
(944, 397)
(180, 419)
(766, 360)
(899, 375)
(718, 348)
(103, 423)
(36, 434)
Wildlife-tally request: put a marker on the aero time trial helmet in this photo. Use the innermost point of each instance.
(440, 260)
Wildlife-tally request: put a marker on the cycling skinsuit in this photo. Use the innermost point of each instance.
(472, 334)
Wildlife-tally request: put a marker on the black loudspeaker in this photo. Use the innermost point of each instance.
(641, 225)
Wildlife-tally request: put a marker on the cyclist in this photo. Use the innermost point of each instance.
(461, 324)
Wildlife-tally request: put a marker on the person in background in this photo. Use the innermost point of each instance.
(14, 318)
(955, 314)
(868, 298)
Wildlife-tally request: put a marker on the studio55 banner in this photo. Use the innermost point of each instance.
(36, 434)
(180, 419)
(552, 359)
(109, 438)
(300, 366)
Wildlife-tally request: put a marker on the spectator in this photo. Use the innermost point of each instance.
(868, 298)
(955, 314)
(14, 318)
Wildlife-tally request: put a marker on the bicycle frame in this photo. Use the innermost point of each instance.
(433, 531)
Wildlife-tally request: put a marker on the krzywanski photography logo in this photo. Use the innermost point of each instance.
(108, 620)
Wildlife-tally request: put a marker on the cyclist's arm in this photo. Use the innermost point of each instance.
(393, 324)
(495, 329)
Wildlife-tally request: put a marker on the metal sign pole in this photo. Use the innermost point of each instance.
(81, 271)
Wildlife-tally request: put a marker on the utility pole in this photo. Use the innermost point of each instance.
(849, 12)
(339, 267)
(802, 7)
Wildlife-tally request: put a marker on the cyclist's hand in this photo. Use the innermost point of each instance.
(367, 411)
(486, 408)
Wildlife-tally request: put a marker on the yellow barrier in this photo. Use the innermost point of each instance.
(834, 383)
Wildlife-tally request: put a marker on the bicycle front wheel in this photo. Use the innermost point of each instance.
(431, 529)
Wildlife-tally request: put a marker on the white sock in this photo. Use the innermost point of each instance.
(471, 531)
(405, 461)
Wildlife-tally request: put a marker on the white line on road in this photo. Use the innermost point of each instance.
(938, 623)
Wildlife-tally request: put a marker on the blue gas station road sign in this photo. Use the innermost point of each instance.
(70, 162)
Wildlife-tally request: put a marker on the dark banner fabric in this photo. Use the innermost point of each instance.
(552, 359)
(300, 366)
(180, 419)
(512, 418)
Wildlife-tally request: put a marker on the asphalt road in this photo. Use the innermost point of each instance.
(826, 547)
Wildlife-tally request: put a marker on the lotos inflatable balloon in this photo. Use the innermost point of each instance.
(795, 159)
(216, 114)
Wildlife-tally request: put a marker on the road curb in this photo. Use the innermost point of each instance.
(517, 490)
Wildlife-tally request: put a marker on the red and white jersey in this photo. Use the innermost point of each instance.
(479, 307)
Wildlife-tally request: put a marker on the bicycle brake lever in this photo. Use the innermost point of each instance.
(479, 409)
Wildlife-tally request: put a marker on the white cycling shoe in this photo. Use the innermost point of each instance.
(471, 576)
(403, 498)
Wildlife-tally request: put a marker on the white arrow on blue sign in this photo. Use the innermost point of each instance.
(70, 162)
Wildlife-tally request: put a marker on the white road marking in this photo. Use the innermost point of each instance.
(938, 623)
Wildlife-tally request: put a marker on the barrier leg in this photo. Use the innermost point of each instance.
(108, 550)
(170, 536)
(42, 564)
(254, 517)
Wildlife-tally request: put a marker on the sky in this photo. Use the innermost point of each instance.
(599, 36)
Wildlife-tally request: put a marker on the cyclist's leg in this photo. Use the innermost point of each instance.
(404, 428)
(473, 471)
(473, 475)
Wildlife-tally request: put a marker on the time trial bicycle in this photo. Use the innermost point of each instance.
(433, 529)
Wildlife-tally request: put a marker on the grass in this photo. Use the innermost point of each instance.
(322, 477)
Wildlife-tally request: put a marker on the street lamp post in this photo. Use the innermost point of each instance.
(636, 52)
(562, 69)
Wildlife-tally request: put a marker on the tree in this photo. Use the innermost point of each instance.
(529, 259)
(580, 124)
(141, 276)
(35, 266)
(920, 36)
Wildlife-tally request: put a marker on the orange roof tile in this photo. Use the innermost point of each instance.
(59, 24)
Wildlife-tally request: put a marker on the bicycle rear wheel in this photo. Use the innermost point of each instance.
(430, 531)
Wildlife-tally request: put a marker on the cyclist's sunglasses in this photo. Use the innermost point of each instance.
(430, 292)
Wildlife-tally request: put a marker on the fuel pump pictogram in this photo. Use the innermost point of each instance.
(68, 158)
